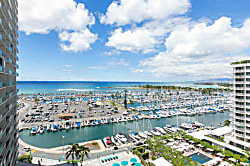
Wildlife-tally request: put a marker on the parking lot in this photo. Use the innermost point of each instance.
(79, 111)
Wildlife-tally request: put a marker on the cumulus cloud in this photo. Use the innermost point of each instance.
(128, 11)
(201, 50)
(43, 16)
(156, 18)
(147, 38)
(77, 41)
(137, 40)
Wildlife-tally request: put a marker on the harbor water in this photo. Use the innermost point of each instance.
(34, 87)
(54, 139)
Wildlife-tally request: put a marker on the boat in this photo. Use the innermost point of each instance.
(41, 129)
(107, 141)
(54, 128)
(155, 132)
(67, 126)
(77, 125)
(115, 141)
(60, 127)
(186, 126)
(143, 135)
(121, 137)
(161, 130)
(170, 129)
(134, 135)
(48, 128)
(33, 130)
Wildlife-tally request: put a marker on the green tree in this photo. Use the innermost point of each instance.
(228, 153)
(73, 152)
(226, 123)
(83, 151)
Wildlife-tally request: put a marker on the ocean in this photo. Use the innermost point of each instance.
(34, 87)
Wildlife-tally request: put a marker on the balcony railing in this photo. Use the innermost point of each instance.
(239, 135)
(241, 70)
(239, 76)
(239, 88)
(239, 82)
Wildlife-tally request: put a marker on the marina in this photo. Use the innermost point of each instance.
(84, 134)
(116, 120)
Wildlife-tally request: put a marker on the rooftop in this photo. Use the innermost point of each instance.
(240, 62)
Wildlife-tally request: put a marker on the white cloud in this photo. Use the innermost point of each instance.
(68, 65)
(67, 70)
(200, 51)
(43, 16)
(156, 18)
(112, 52)
(97, 67)
(147, 38)
(118, 62)
(131, 40)
(77, 41)
(128, 11)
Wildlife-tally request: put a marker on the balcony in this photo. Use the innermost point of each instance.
(240, 100)
(240, 105)
(240, 94)
(239, 76)
(239, 71)
(248, 136)
(239, 82)
(240, 129)
(239, 88)
(239, 135)
(239, 123)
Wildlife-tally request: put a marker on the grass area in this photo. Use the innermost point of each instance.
(117, 105)
(70, 161)
(94, 144)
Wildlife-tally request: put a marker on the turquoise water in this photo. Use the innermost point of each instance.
(199, 158)
(49, 140)
(33, 87)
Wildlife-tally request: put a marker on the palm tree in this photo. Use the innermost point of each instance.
(83, 151)
(73, 151)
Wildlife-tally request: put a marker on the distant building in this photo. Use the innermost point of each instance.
(241, 114)
(8, 74)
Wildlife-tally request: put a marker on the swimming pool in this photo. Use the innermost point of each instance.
(199, 157)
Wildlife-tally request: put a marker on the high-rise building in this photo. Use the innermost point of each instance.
(8, 74)
(241, 114)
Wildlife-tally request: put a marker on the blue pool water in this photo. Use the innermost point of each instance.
(199, 157)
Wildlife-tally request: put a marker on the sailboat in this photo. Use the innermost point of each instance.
(142, 134)
(149, 129)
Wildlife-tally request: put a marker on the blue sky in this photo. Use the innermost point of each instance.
(195, 40)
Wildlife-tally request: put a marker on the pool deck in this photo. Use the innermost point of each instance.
(202, 152)
(199, 151)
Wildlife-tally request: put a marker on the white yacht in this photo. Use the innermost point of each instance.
(143, 135)
(161, 130)
(186, 126)
(41, 129)
(121, 137)
(148, 133)
(155, 132)
(115, 141)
